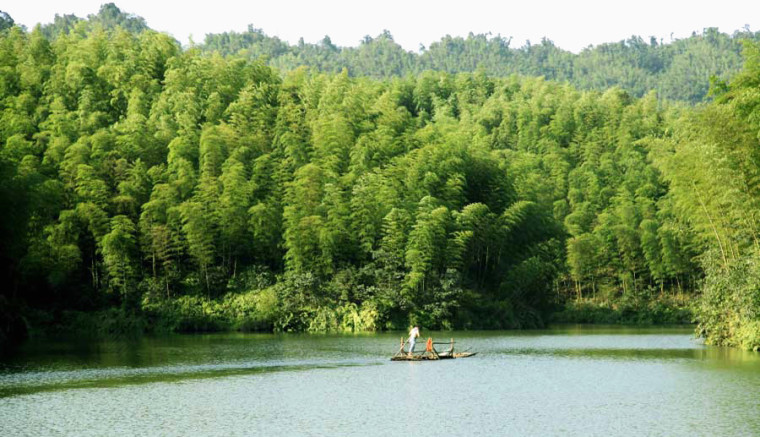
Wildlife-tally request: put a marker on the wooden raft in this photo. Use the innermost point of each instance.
(430, 354)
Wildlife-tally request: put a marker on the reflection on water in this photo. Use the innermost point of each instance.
(564, 381)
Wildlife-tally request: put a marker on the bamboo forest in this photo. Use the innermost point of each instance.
(247, 184)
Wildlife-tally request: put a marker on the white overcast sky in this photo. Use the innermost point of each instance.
(571, 24)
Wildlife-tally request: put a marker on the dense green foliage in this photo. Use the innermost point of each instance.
(678, 70)
(712, 165)
(198, 192)
(109, 17)
(666, 311)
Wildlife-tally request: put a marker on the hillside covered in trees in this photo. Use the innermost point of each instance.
(187, 190)
(678, 70)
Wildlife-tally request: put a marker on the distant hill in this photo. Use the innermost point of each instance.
(679, 70)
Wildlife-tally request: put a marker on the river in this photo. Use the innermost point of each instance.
(569, 381)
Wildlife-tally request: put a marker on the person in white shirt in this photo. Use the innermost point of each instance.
(413, 334)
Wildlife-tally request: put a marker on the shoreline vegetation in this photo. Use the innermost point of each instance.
(151, 188)
(246, 313)
(242, 313)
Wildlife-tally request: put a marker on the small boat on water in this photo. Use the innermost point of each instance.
(430, 353)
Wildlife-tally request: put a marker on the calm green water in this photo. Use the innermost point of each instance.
(563, 381)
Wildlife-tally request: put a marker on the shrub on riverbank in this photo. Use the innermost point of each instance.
(252, 311)
(660, 311)
(729, 312)
(259, 310)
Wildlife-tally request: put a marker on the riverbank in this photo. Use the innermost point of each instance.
(658, 311)
(13, 327)
(259, 312)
